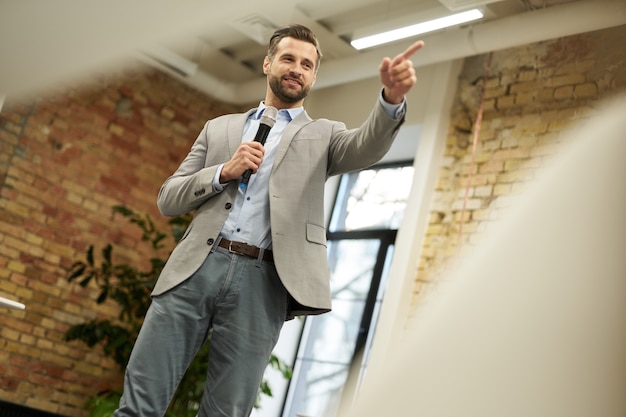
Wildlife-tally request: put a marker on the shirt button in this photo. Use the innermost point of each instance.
(248, 198)
(210, 241)
(238, 230)
(228, 206)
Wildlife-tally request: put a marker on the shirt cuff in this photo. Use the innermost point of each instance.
(395, 111)
(216, 180)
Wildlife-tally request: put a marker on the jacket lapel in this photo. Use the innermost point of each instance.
(235, 130)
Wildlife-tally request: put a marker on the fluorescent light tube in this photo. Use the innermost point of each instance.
(417, 29)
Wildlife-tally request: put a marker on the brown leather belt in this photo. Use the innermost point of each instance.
(241, 248)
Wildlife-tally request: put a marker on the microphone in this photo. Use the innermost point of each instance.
(265, 125)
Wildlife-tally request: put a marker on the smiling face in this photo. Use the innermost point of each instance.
(291, 72)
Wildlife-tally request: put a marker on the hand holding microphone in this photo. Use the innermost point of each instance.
(265, 125)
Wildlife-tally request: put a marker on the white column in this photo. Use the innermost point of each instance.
(396, 302)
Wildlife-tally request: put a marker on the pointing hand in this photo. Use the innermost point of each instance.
(398, 74)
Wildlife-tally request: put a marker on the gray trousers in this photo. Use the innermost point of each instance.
(244, 302)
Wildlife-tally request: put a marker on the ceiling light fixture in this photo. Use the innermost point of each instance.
(417, 29)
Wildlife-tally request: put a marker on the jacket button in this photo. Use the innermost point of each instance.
(228, 206)
(210, 241)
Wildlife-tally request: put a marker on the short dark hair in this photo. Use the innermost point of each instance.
(295, 31)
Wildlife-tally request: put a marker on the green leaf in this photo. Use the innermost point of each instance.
(102, 297)
(76, 270)
(85, 281)
(106, 253)
(90, 255)
(265, 388)
(105, 404)
(123, 210)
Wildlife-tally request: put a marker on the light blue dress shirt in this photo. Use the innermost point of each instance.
(249, 219)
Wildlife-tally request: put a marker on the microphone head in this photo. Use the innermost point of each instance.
(269, 116)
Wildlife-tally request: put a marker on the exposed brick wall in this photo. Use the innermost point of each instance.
(533, 95)
(65, 160)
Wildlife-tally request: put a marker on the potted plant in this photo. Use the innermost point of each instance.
(130, 288)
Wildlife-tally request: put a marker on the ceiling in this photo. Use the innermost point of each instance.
(219, 46)
(234, 49)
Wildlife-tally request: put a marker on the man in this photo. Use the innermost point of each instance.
(253, 257)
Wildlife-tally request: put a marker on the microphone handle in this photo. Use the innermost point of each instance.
(244, 179)
(261, 136)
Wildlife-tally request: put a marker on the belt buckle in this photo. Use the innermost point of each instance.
(232, 250)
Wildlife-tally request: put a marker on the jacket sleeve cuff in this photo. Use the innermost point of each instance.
(394, 111)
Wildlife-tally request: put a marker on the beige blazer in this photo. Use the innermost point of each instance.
(309, 152)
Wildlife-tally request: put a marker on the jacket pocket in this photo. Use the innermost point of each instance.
(316, 233)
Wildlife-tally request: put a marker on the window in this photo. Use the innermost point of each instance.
(334, 348)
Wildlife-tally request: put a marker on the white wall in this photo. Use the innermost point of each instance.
(351, 103)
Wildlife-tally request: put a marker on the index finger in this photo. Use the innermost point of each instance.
(408, 52)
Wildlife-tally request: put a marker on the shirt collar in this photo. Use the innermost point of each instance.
(290, 113)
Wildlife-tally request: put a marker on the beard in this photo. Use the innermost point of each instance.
(286, 95)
